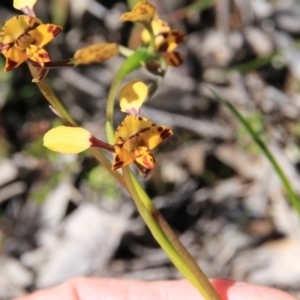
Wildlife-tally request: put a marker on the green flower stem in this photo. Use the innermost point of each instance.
(285, 182)
(152, 37)
(55, 103)
(125, 51)
(167, 238)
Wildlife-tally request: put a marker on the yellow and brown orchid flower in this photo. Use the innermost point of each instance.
(134, 140)
(23, 37)
(166, 41)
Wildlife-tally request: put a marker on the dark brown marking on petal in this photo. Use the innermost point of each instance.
(163, 47)
(142, 130)
(55, 30)
(140, 118)
(164, 34)
(179, 36)
(10, 64)
(117, 165)
(165, 133)
(44, 56)
(159, 129)
(36, 24)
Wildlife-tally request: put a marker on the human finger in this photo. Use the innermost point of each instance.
(117, 289)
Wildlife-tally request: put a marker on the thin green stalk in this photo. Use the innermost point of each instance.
(55, 103)
(285, 182)
(152, 37)
(254, 64)
(167, 238)
(125, 51)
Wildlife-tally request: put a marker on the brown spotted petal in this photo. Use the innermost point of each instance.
(95, 53)
(142, 12)
(14, 28)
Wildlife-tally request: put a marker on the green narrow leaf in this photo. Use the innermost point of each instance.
(285, 182)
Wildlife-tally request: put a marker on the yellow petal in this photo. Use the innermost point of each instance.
(25, 5)
(132, 96)
(155, 135)
(158, 27)
(70, 140)
(123, 157)
(130, 126)
(14, 28)
(149, 134)
(14, 57)
(18, 4)
(142, 12)
(44, 33)
(147, 160)
(96, 53)
(38, 55)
